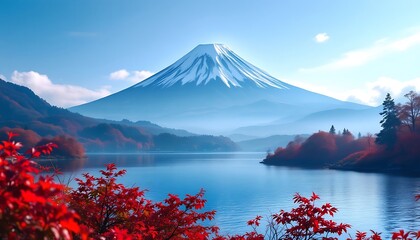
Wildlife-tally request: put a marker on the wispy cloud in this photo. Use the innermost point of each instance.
(2, 77)
(133, 77)
(363, 56)
(318, 88)
(321, 37)
(119, 75)
(61, 95)
(139, 76)
(374, 92)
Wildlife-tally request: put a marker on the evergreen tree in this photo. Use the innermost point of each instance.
(332, 130)
(359, 135)
(346, 132)
(389, 123)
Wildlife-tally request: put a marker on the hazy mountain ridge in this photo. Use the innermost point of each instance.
(364, 121)
(268, 144)
(21, 108)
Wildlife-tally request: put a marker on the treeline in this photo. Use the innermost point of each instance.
(120, 138)
(394, 149)
(69, 146)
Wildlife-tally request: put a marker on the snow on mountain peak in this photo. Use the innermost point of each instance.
(212, 62)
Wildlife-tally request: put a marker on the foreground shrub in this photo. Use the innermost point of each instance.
(110, 209)
(29, 206)
(307, 221)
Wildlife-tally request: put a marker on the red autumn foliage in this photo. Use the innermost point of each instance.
(69, 146)
(345, 152)
(308, 221)
(110, 209)
(24, 136)
(29, 206)
(33, 206)
(319, 150)
(403, 156)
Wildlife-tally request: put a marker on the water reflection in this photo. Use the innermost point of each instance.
(240, 188)
(400, 207)
(63, 165)
(139, 160)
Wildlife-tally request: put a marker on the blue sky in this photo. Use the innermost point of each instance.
(66, 51)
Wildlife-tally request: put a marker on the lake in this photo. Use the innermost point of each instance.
(239, 187)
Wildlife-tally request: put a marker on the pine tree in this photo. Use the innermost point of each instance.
(332, 130)
(346, 132)
(359, 135)
(389, 123)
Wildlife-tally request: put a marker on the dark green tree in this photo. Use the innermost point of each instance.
(389, 123)
(346, 132)
(332, 130)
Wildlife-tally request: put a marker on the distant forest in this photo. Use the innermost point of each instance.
(394, 149)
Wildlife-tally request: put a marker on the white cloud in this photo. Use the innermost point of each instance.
(374, 92)
(313, 87)
(134, 76)
(139, 76)
(61, 95)
(321, 37)
(2, 77)
(119, 75)
(360, 57)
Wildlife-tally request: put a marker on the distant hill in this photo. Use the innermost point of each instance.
(21, 108)
(364, 121)
(241, 137)
(152, 128)
(268, 144)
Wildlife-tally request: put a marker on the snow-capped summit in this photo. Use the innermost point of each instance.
(212, 62)
(211, 89)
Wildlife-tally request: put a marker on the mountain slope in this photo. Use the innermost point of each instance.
(211, 89)
(212, 63)
(268, 144)
(20, 108)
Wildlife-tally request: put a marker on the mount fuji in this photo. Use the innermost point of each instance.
(212, 90)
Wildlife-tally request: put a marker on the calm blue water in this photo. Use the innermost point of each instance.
(239, 188)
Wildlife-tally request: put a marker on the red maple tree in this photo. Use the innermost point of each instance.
(110, 209)
(29, 202)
